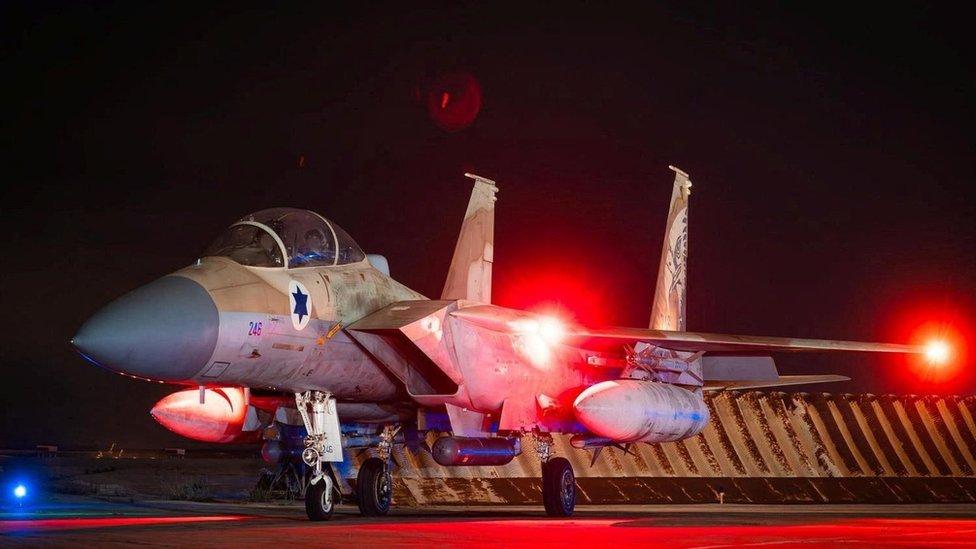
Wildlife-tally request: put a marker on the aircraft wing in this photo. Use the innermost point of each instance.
(725, 343)
(408, 338)
(729, 361)
(780, 381)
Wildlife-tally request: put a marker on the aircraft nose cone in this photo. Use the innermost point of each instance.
(166, 330)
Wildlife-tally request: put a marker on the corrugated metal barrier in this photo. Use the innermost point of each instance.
(759, 447)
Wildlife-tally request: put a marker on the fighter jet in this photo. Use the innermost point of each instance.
(292, 335)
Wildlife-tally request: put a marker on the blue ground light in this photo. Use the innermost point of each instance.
(20, 491)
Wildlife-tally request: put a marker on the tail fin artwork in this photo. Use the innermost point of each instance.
(668, 308)
(470, 274)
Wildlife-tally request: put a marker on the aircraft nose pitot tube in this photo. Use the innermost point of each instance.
(166, 331)
(630, 410)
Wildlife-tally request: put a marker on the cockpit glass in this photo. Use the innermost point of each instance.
(307, 239)
(248, 245)
(349, 251)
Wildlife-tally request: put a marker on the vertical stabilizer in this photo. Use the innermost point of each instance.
(668, 309)
(470, 274)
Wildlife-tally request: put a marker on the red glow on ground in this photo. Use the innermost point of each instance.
(440, 531)
(46, 525)
(646, 532)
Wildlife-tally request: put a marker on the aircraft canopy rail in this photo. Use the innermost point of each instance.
(286, 236)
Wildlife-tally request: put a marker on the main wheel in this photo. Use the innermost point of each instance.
(558, 487)
(374, 488)
(319, 503)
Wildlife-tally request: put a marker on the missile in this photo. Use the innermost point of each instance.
(221, 416)
(597, 444)
(586, 442)
(453, 451)
(631, 410)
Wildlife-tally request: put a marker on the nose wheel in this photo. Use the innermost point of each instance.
(319, 501)
(322, 446)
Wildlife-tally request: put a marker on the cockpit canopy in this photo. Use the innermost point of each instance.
(286, 236)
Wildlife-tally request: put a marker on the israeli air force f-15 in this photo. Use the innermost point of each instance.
(308, 346)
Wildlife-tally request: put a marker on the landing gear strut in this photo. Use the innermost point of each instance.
(374, 484)
(322, 446)
(558, 480)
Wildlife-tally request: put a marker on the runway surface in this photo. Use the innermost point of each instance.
(94, 523)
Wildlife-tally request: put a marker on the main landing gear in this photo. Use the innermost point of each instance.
(374, 484)
(558, 480)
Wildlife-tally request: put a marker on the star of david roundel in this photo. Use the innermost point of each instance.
(301, 304)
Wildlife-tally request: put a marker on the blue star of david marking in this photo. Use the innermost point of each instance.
(301, 304)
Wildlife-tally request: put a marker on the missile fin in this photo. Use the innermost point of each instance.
(596, 454)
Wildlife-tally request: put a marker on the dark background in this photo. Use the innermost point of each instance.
(831, 150)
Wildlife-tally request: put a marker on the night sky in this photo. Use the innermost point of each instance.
(832, 154)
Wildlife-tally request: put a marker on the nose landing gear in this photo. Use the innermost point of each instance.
(322, 446)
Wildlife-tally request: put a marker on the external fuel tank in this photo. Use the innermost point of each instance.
(631, 410)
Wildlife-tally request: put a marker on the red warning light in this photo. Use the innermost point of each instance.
(941, 327)
(943, 357)
(551, 329)
(937, 352)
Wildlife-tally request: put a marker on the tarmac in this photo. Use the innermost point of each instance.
(73, 521)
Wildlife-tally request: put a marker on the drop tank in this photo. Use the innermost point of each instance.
(630, 410)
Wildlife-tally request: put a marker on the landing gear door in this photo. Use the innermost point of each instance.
(332, 452)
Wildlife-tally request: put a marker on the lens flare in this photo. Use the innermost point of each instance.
(942, 328)
(536, 337)
(551, 329)
(454, 100)
(937, 352)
